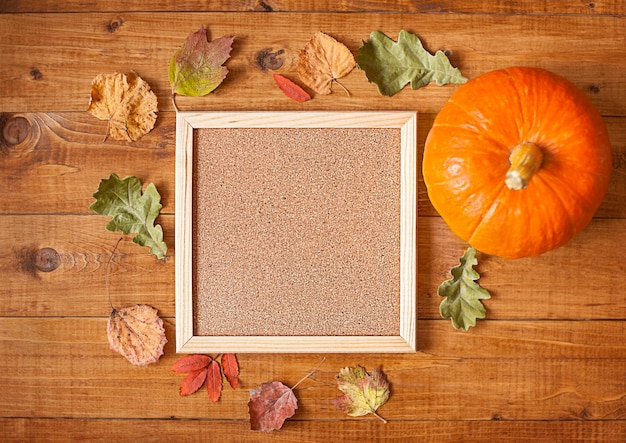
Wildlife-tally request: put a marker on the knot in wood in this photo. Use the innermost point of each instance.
(115, 24)
(47, 260)
(15, 130)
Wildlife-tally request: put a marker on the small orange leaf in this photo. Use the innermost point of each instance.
(193, 382)
(231, 369)
(214, 381)
(191, 363)
(291, 90)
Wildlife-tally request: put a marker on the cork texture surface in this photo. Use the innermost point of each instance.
(296, 231)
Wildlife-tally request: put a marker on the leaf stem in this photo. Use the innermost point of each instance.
(106, 273)
(379, 417)
(174, 101)
(342, 86)
(309, 374)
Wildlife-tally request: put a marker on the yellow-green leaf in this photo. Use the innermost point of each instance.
(364, 393)
(196, 69)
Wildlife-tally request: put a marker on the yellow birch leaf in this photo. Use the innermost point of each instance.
(126, 102)
(322, 61)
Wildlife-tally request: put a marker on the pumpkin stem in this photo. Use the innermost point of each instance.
(525, 159)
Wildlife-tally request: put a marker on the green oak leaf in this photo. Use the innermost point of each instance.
(196, 68)
(462, 294)
(392, 65)
(132, 212)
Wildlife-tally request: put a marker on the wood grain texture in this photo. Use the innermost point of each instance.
(62, 158)
(543, 370)
(562, 284)
(146, 42)
(548, 363)
(608, 7)
(440, 431)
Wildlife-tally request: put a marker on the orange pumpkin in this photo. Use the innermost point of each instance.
(517, 162)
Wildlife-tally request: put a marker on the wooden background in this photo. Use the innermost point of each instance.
(549, 363)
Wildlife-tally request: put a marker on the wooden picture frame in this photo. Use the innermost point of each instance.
(187, 123)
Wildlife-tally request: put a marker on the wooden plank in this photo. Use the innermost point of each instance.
(609, 7)
(35, 64)
(580, 274)
(62, 158)
(542, 371)
(58, 165)
(441, 431)
(73, 281)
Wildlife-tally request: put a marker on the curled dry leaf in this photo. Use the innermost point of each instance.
(270, 405)
(137, 333)
(126, 102)
(322, 61)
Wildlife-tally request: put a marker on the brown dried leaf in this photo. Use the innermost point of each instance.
(137, 333)
(270, 405)
(126, 102)
(322, 61)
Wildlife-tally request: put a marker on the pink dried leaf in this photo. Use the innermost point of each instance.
(270, 405)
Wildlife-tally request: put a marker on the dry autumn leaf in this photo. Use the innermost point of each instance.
(126, 102)
(196, 69)
(203, 368)
(364, 393)
(137, 333)
(270, 405)
(214, 381)
(322, 61)
(291, 89)
(193, 382)
(230, 367)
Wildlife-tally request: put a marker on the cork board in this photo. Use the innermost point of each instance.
(295, 232)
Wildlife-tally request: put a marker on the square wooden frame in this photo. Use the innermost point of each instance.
(186, 123)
